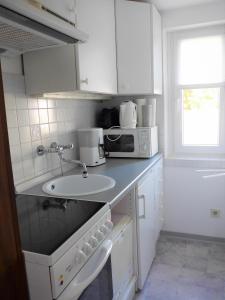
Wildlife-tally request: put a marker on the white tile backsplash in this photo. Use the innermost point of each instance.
(12, 118)
(52, 116)
(14, 138)
(25, 136)
(23, 117)
(43, 115)
(32, 122)
(21, 101)
(42, 103)
(10, 101)
(35, 131)
(34, 116)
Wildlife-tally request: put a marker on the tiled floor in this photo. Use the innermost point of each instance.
(186, 270)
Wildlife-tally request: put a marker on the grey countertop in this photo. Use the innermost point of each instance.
(126, 172)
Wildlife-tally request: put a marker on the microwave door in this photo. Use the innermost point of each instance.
(121, 145)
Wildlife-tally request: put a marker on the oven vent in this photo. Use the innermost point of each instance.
(20, 34)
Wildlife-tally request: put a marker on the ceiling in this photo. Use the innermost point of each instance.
(173, 4)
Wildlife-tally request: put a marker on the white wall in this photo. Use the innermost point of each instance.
(194, 16)
(33, 121)
(188, 198)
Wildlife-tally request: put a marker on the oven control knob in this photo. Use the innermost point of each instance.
(104, 229)
(93, 242)
(87, 249)
(80, 257)
(109, 224)
(99, 236)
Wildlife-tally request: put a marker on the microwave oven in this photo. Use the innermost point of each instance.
(140, 142)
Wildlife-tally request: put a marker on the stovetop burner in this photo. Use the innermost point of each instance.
(46, 223)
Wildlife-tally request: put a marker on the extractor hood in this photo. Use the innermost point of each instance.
(27, 25)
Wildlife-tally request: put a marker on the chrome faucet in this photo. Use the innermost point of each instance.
(60, 149)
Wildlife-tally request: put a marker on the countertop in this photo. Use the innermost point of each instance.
(125, 171)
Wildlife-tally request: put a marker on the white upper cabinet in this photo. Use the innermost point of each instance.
(65, 9)
(139, 48)
(89, 67)
(96, 59)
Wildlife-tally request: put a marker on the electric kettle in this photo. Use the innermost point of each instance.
(128, 114)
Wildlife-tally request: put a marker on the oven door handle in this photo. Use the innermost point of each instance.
(88, 273)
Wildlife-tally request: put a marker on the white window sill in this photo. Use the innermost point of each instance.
(196, 162)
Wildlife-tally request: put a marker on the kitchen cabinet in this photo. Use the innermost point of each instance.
(97, 57)
(158, 193)
(64, 9)
(88, 67)
(139, 48)
(149, 219)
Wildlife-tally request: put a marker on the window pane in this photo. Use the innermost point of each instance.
(200, 117)
(201, 60)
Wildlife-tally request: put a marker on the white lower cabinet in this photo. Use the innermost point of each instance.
(149, 219)
(122, 260)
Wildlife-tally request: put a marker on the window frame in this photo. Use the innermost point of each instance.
(175, 93)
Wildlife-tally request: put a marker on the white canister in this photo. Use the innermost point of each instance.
(139, 103)
(148, 116)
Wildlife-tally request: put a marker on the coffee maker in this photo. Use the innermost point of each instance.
(91, 146)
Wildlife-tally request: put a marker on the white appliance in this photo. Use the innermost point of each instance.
(27, 25)
(128, 115)
(91, 146)
(139, 142)
(123, 274)
(66, 248)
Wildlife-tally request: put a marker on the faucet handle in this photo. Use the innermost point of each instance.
(69, 146)
(54, 148)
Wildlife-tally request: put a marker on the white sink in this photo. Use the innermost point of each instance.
(76, 185)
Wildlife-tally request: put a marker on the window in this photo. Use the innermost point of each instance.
(198, 91)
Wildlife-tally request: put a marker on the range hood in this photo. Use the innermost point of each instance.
(26, 25)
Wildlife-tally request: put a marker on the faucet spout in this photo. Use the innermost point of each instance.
(78, 162)
(60, 149)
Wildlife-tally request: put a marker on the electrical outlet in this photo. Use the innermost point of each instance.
(215, 212)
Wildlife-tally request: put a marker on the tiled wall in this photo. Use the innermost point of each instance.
(33, 121)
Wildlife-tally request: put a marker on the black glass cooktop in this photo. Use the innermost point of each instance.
(46, 223)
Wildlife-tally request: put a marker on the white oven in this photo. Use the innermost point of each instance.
(137, 142)
(67, 248)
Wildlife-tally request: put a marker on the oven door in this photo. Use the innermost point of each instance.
(94, 281)
(119, 144)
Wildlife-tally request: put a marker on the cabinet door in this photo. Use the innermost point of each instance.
(157, 51)
(134, 48)
(65, 8)
(97, 57)
(50, 70)
(159, 208)
(145, 226)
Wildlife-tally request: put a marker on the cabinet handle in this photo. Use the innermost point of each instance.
(35, 3)
(143, 198)
(82, 81)
(71, 8)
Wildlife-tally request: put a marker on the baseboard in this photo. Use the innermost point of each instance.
(193, 236)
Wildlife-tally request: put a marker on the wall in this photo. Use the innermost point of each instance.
(194, 16)
(189, 198)
(33, 121)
